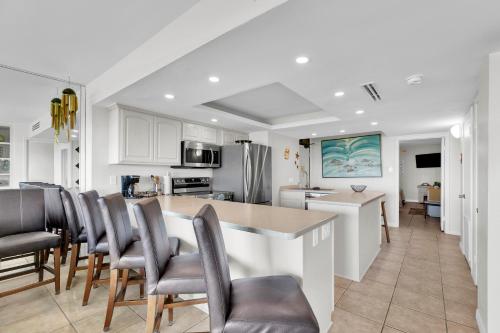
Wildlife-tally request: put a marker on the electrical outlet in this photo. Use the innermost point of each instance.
(112, 180)
(315, 237)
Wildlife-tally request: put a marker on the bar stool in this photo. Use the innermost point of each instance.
(166, 275)
(263, 304)
(385, 226)
(73, 212)
(125, 253)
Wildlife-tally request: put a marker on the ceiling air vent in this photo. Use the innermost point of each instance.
(372, 91)
(35, 126)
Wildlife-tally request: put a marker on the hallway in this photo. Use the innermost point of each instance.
(420, 282)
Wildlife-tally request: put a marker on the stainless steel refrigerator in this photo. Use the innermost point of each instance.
(246, 170)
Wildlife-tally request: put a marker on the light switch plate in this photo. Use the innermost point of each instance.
(325, 231)
(112, 180)
(315, 237)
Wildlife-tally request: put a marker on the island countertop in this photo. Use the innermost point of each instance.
(342, 197)
(288, 223)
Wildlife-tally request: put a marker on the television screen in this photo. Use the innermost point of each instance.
(428, 160)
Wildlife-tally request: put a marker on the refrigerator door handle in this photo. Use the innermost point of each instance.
(245, 177)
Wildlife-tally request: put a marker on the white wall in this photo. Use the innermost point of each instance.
(106, 177)
(40, 161)
(285, 172)
(386, 183)
(409, 175)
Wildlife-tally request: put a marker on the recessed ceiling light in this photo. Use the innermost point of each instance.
(374, 123)
(314, 134)
(214, 120)
(302, 60)
(214, 79)
(169, 96)
(339, 94)
(342, 131)
(360, 111)
(415, 79)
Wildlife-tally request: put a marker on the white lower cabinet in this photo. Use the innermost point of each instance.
(142, 138)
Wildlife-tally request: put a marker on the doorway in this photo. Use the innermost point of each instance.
(421, 178)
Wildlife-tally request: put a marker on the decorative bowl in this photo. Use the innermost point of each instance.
(358, 188)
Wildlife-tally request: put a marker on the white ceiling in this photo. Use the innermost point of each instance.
(61, 38)
(349, 42)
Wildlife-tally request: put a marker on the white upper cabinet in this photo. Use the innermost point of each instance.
(195, 132)
(167, 131)
(141, 138)
(230, 137)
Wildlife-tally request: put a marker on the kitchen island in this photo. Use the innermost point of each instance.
(265, 240)
(357, 226)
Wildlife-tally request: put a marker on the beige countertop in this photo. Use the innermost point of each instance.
(288, 223)
(342, 197)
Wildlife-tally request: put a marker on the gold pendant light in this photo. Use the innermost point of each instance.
(56, 114)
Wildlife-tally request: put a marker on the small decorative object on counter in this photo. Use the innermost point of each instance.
(358, 188)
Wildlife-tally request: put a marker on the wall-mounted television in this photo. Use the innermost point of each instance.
(428, 160)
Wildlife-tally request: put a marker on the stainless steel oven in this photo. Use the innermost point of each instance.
(200, 155)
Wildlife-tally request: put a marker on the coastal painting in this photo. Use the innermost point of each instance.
(354, 157)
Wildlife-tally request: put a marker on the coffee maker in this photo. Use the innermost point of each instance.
(128, 185)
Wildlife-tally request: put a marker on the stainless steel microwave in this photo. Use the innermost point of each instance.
(200, 155)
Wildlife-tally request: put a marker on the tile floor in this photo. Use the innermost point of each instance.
(420, 282)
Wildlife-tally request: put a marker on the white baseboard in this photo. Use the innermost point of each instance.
(480, 323)
(411, 200)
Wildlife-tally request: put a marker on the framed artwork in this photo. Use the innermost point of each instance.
(354, 157)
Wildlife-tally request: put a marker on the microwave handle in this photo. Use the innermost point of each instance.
(212, 153)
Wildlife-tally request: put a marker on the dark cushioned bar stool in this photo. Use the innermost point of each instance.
(22, 231)
(166, 275)
(264, 304)
(74, 216)
(97, 242)
(125, 253)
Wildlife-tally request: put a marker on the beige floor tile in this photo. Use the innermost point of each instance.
(203, 326)
(46, 321)
(364, 306)
(391, 256)
(411, 321)
(138, 327)
(459, 280)
(421, 264)
(456, 328)
(432, 275)
(374, 289)
(388, 329)
(420, 286)
(183, 322)
(65, 329)
(460, 295)
(342, 282)
(30, 307)
(461, 313)
(346, 322)
(123, 317)
(427, 304)
(339, 292)
(388, 277)
(386, 264)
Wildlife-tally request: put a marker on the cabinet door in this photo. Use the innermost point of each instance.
(292, 199)
(137, 135)
(190, 131)
(208, 135)
(228, 138)
(167, 141)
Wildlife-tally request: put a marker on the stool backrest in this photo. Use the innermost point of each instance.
(21, 211)
(154, 240)
(215, 264)
(118, 226)
(92, 218)
(73, 212)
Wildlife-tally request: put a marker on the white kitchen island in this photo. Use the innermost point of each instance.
(357, 226)
(265, 240)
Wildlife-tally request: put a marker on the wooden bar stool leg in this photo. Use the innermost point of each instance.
(57, 269)
(72, 266)
(386, 227)
(100, 259)
(170, 300)
(125, 273)
(141, 286)
(90, 277)
(113, 286)
(41, 262)
(152, 313)
(65, 246)
(159, 312)
(78, 246)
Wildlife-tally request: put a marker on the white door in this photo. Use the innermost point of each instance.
(467, 176)
(63, 164)
(137, 137)
(167, 141)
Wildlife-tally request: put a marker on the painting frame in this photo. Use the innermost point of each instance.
(376, 170)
